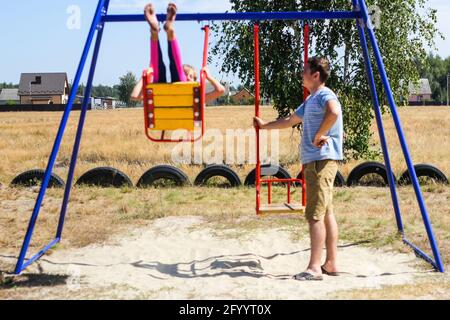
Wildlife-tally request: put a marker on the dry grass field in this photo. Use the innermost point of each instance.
(115, 138)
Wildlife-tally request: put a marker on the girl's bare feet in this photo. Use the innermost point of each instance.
(151, 18)
(171, 16)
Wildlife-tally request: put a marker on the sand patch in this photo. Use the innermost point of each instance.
(172, 259)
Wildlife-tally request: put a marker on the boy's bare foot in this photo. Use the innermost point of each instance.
(171, 16)
(151, 18)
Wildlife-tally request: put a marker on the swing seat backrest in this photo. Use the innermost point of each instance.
(173, 106)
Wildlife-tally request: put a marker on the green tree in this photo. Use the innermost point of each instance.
(404, 31)
(436, 70)
(125, 88)
(105, 91)
(10, 85)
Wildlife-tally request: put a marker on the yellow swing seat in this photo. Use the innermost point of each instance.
(173, 106)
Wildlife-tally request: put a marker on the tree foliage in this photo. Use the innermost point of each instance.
(404, 35)
(4, 85)
(125, 88)
(436, 71)
(101, 91)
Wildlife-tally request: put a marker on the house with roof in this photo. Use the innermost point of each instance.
(420, 92)
(43, 88)
(9, 96)
(242, 97)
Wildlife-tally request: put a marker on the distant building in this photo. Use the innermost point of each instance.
(242, 97)
(420, 92)
(79, 99)
(9, 96)
(100, 103)
(43, 88)
(105, 103)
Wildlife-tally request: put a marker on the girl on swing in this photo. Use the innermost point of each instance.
(179, 72)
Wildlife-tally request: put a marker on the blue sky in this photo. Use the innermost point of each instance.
(35, 37)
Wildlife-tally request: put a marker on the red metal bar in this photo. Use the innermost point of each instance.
(280, 180)
(257, 114)
(203, 77)
(145, 82)
(306, 53)
(258, 179)
(305, 95)
(289, 193)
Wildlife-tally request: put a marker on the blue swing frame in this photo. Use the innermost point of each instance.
(360, 14)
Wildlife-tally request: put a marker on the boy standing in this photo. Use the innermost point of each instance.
(321, 149)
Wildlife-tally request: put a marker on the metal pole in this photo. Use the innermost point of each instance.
(257, 114)
(203, 77)
(76, 147)
(379, 119)
(57, 143)
(305, 96)
(241, 16)
(305, 54)
(399, 127)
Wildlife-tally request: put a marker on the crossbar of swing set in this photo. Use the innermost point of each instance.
(241, 16)
(101, 17)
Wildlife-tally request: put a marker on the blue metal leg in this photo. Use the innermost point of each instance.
(26, 243)
(82, 119)
(398, 125)
(379, 118)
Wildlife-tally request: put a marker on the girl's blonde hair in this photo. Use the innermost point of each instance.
(188, 68)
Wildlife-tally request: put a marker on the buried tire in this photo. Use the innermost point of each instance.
(105, 177)
(33, 178)
(339, 181)
(163, 176)
(424, 171)
(266, 171)
(218, 171)
(368, 174)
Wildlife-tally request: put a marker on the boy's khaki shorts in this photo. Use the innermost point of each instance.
(319, 176)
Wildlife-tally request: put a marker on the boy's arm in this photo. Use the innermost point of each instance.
(219, 89)
(284, 123)
(332, 112)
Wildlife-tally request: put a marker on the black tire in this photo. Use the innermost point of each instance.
(218, 171)
(339, 181)
(33, 178)
(164, 172)
(354, 178)
(105, 177)
(267, 170)
(423, 170)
